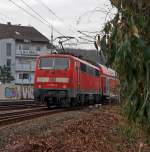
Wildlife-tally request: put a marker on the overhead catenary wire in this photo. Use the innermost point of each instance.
(35, 17)
(38, 16)
(91, 32)
(54, 14)
(89, 36)
(50, 24)
(26, 11)
(41, 18)
(86, 39)
(34, 11)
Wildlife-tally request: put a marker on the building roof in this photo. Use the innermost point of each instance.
(21, 33)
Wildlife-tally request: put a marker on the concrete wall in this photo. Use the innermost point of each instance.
(11, 92)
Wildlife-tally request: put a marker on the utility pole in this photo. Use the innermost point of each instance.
(30, 79)
(52, 34)
(22, 81)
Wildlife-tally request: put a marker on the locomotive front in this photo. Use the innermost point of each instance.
(52, 79)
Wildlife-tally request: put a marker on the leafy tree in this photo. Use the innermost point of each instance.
(5, 74)
(126, 45)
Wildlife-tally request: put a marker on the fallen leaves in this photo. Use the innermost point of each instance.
(93, 132)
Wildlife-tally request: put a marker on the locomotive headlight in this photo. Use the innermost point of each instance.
(64, 86)
(42, 79)
(39, 86)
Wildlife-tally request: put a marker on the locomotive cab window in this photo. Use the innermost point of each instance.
(61, 63)
(46, 63)
(53, 63)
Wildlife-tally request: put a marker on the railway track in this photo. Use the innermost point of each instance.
(17, 113)
(17, 107)
(18, 116)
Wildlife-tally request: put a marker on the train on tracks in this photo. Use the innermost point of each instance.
(65, 80)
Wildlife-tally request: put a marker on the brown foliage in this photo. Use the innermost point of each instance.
(93, 133)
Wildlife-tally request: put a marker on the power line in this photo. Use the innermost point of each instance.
(86, 39)
(81, 32)
(49, 9)
(41, 17)
(91, 32)
(34, 11)
(35, 17)
(52, 12)
(26, 11)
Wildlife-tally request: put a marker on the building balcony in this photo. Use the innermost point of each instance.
(25, 81)
(25, 67)
(29, 53)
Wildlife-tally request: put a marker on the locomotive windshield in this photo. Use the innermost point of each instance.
(53, 63)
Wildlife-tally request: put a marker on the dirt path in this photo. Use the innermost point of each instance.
(90, 130)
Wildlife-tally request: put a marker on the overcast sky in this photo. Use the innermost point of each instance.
(72, 15)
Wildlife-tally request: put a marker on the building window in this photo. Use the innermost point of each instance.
(8, 62)
(23, 76)
(20, 47)
(8, 49)
(38, 49)
(26, 47)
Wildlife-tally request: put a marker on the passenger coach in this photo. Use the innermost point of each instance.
(108, 81)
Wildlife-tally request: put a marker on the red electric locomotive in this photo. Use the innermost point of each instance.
(65, 80)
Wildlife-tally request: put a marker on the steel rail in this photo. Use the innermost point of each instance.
(27, 116)
(15, 107)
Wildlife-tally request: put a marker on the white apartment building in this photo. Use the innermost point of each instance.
(19, 47)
